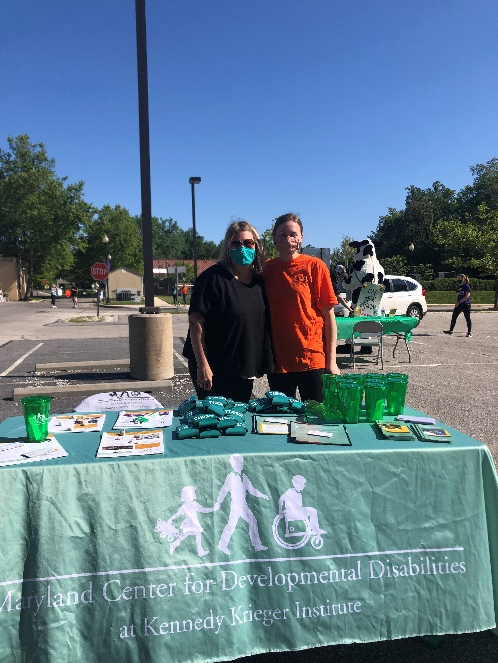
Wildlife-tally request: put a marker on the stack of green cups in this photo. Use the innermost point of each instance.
(350, 390)
(375, 396)
(396, 384)
(330, 396)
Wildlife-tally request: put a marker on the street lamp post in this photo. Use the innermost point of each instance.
(411, 248)
(107, 260)
(193, 181)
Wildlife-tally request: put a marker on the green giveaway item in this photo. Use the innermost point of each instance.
(185, 431)
(36, 415)
(396, 384)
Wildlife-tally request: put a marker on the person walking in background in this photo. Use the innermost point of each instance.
(74, 294)
(184, 294)
(462, 304)
(228, 343)
(301, 301)
(174, 292)
(53, 294)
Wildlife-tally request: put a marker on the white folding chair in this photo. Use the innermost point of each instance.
(375, 331)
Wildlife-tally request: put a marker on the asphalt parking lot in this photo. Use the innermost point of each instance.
(452, 378)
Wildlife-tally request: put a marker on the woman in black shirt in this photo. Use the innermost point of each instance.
(228, 344)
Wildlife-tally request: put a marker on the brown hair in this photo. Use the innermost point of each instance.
(290, 216)
(234, 227)
(464, 278)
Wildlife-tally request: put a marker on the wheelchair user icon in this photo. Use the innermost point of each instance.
(296, 524)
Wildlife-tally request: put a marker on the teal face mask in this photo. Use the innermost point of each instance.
(243, 255)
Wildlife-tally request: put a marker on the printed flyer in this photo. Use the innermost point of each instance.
(76, 423)
(17, 453)
(131, 444)
(144, 419)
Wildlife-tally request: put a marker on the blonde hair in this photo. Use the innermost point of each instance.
(464, 278)
(235, 227)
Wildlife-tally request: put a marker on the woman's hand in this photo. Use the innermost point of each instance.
(205, 377)
(333, 368)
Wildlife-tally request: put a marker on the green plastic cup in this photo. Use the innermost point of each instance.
(330, 394)
(375, 377)
(36, 415)
(375, 398)
(350, 397)
(354, 377)
(396, 384)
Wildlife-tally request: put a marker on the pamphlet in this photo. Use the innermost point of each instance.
(17, 453)
(132, 443)
(306, 433)
(432, 433)
(76, 423)
(271, 424)
(118, 400)
(144, 419)
(393, 430)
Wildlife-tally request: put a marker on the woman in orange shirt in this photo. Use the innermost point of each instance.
(301, 301)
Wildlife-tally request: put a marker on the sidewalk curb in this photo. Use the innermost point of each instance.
(78, 365)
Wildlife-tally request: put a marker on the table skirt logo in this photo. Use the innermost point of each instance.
(293, 526)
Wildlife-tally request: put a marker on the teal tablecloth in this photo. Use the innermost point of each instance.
(409, 547)
(396, 325)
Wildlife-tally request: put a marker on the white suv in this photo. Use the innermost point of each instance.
(402, 293)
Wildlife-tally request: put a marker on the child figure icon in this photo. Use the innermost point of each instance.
(296, 524)
(190, 526)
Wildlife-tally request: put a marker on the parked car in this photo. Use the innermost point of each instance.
(402, 293)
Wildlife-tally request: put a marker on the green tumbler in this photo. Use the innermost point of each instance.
(36, 415)
(330, 395)
(396, 384)
(350, 397)
(375, 397)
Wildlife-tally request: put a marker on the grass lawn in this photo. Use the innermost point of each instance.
(446, 297)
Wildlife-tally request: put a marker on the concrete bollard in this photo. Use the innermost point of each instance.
(151, 346)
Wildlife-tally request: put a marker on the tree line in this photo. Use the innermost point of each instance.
(441, 230)
(46, 223)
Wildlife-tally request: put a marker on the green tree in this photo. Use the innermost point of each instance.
(343, 254)
(473, 243)
(207, 250)
(40, 215)
(483, 191)
(168, 239)
(396, 265)
(267, 242)
(125, 242)
(415, 224)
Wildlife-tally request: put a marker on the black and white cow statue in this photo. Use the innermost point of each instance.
(365, 269)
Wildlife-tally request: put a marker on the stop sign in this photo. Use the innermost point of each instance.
(99, 271)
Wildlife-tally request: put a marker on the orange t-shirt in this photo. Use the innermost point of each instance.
(296, 291)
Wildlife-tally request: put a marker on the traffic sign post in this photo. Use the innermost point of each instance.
(99, 271)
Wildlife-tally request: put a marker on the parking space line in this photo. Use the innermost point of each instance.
(181, 359)
(20, 360)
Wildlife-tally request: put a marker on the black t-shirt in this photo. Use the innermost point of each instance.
(236, 325)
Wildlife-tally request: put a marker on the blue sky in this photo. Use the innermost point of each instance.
(326, 108)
